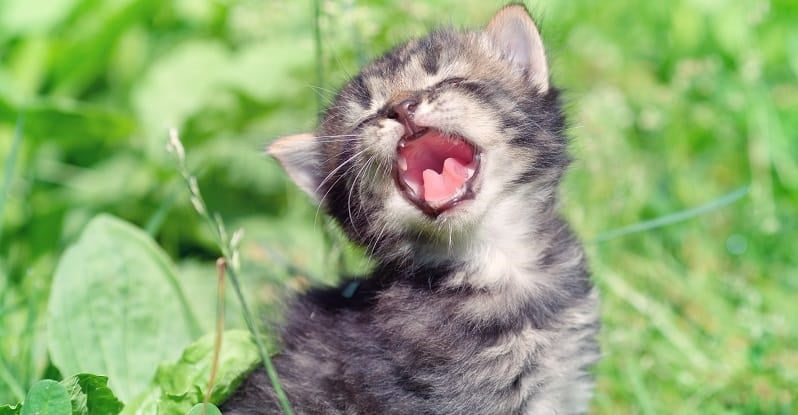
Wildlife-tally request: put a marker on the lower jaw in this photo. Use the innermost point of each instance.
(436, 209)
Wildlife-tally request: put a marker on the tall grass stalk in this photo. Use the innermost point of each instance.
(8, 171)
(675, 217)
(229, 248)
(318, 54)
(221, 264)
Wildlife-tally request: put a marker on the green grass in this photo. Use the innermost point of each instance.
(674, 107)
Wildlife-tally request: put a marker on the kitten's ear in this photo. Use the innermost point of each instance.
(514, 31)
(300, 156)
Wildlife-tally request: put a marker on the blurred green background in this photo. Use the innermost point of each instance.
(672, 106)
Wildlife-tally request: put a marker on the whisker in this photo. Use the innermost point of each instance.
(329, 175)
(339, 140)
(339, 167)
(374, 178)
(352, 188)
(321, 202)
(336, 135)
(449, 250)
(372, 249)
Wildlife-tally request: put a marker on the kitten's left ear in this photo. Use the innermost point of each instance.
(514, 31)
(300, 157)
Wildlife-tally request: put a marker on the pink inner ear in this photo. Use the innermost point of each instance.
(517, 42)
(299, 156)
(514, 32)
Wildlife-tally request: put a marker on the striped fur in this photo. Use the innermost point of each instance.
(485, 309)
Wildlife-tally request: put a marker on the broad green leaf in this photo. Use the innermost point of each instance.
(180, 385)
(237, 357)
(90, 395)
(205, 409)
(47, 397)
(116, 307)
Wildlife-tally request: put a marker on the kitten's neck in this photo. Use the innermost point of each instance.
(499, 252)
(521, 256)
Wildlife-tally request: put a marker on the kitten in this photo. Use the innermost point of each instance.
(443, 158)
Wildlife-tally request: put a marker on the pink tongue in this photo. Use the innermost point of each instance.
(440, 187)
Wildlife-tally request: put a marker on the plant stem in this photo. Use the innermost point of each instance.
(267, 361)
(230, 255)
(217, 347)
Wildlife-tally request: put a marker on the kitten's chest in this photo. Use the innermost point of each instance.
(462, 357)
(462, 366)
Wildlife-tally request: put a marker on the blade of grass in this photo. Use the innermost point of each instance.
(357, 40)
(29, 337)
(8, 378)
(318, 52)
(635, 379)
(8, 171)
(229, 248)
(157, 218)
(658, 314)
(673, 217)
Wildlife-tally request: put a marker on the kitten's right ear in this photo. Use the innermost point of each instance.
(515, 33)
(300, 157)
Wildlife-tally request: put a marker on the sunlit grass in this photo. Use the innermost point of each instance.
(675, 108)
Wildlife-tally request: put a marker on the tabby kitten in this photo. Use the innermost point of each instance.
(443, 157)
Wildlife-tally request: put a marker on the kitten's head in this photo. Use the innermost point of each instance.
(437, 137)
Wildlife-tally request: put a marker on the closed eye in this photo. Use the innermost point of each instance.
(382, 113)
(448, 82)
(364, 121)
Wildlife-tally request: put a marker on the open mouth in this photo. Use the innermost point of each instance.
(435, 171)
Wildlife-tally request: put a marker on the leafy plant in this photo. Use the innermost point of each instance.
(110, 291)
(102, 316)
(82, 394)
(179, 386)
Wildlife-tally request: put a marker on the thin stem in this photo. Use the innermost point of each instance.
(217, 347)
(230, 255)
(267, 361)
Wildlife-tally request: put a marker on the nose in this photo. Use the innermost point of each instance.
(403, 112)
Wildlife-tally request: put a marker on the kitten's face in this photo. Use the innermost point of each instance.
(436, 135)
